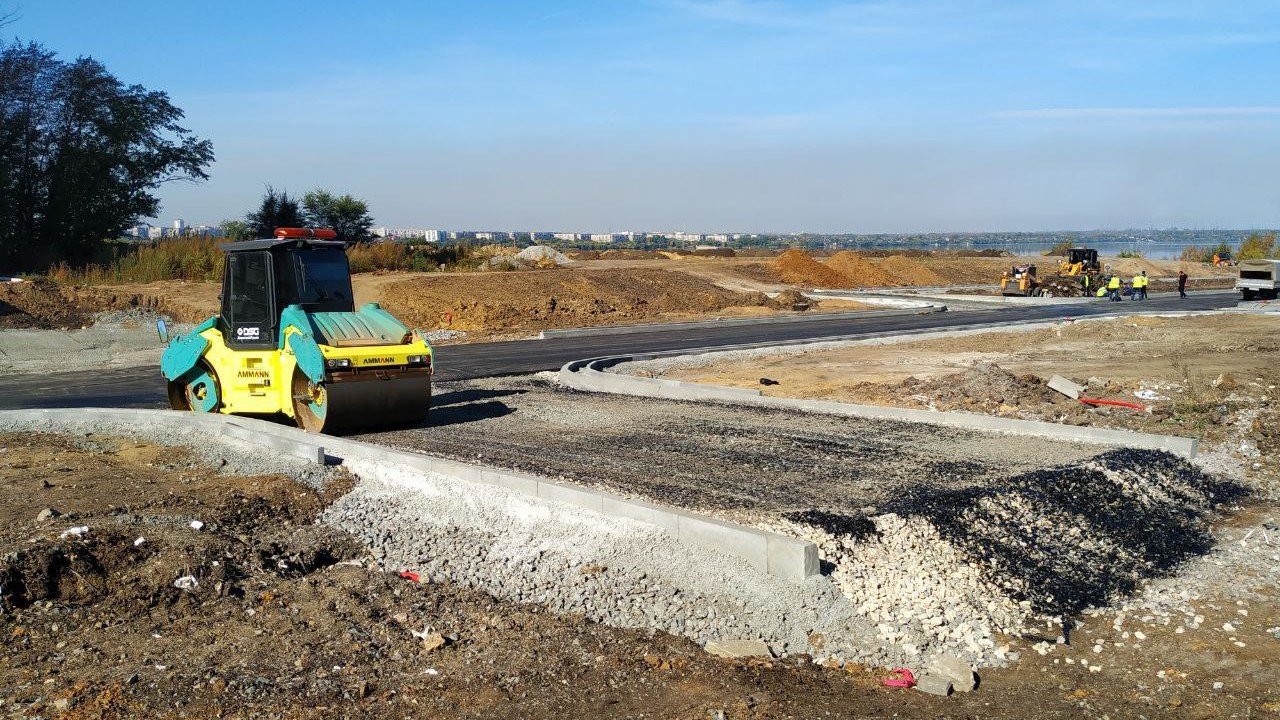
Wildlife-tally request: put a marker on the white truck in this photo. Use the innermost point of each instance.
(1259, 279)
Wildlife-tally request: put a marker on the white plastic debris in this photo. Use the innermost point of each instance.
(186, 582)
(431, 671)
(74, 532)
(196, 525)
(139, 541)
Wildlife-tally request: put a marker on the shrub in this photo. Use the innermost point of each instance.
(1257, 247)
(1060, 249)
(1128, 254)
(1196, 254)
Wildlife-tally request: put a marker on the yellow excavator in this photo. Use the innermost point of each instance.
(290, 341)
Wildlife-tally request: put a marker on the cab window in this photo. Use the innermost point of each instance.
(249, 288)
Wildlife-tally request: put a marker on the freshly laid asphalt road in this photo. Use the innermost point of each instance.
(144, 387)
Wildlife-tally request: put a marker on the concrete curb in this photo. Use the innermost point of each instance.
(978, 299)
(914, 308)
(590, 376)
(777, 555)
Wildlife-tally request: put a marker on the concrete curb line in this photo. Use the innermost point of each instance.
(777, 555)
(979, 299)
(590, 376)
(915, 308)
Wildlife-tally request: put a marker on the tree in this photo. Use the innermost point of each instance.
(235, 229)
(80, 154)
(276, 210)
(347, 216)
(1257, 247)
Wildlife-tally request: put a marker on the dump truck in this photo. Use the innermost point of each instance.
(289, 341)
(1258, 279)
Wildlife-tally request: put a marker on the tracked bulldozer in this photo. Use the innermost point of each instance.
(288, 340)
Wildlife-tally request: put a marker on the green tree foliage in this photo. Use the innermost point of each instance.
(1257, 247)
(347, 216)
(80, 154)
(1060, 249)
(235, 229)
(276, 210)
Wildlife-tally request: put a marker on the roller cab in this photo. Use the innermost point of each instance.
(289, 340)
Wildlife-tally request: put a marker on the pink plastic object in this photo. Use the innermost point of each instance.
(908, 680)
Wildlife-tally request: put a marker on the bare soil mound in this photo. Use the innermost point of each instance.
(44, 306)
(906, 271)
(859, 271)
(556, 298)
(622, 254)
(797, 267)
(791, 298)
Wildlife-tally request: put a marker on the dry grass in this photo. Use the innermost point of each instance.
(196, 259)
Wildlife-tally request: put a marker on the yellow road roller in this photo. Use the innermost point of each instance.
(289, 340)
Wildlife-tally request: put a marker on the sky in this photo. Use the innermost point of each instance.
(713, 115)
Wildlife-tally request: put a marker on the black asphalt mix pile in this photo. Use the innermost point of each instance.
(1072, 536)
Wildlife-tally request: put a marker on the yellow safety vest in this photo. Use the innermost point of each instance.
(1115, 283)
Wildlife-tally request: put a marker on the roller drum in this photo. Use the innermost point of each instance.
(363, 401)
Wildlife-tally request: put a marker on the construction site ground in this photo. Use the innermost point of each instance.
(284, 624)
(602, 291)
(1193, 372)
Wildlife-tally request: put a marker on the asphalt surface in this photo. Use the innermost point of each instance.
(758, 461)
(143, 387)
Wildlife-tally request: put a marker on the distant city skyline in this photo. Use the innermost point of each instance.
(715, 115)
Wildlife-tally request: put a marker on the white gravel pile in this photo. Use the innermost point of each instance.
(617, 572)
(543, 253)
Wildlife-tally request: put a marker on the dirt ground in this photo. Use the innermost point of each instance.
(1186, 370)
(484, 304)
(613, 287)
(286, 621)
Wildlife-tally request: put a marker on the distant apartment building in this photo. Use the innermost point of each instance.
(601, 237)
(567, 237)
(431, 236)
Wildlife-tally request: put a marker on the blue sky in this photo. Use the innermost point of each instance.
(715, 115)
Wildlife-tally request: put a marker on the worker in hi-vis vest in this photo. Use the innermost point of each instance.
(1140, 286)
(1113, 287)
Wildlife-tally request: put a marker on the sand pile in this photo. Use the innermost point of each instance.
(906, 271)
(797, 267)
(859, 271)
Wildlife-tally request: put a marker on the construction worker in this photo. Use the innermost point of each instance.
(1139, 287)
(1113, 288)
(1084, 284)
(1182, 284)
(1145, 282)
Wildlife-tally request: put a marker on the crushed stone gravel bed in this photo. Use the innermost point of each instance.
(932, 539)
(942, 539)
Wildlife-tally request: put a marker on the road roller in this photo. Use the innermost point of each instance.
(288, 340)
